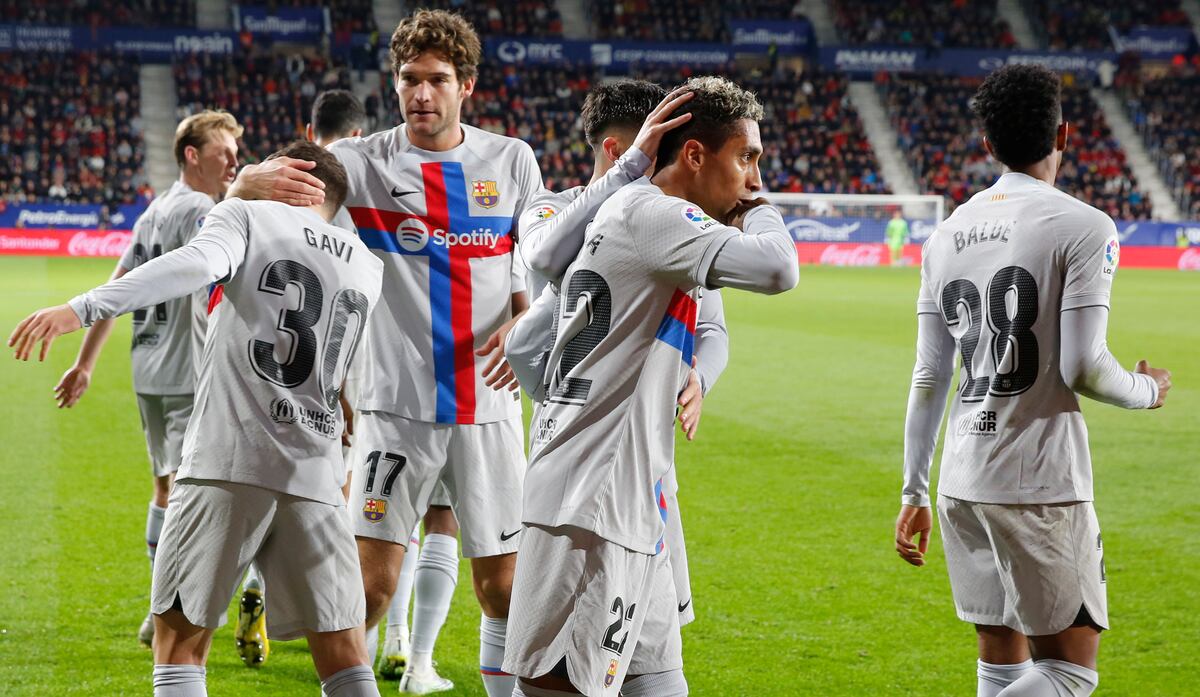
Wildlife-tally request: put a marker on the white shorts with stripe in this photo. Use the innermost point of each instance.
(1029, 567)
(399, 465)
(304, 550)
(164, 421)
(606, 610)
(673, 541)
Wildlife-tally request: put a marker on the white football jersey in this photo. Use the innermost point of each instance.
(624, 329)
(544, 206)
(284, 328)
(998, 272)
(444, 225)
(167, 338)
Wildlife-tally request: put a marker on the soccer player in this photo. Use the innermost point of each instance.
(166, 336)
(896, 234)
(623, 123)
(438, 201)
(295, 294)
(1018, 281)
(590, 572)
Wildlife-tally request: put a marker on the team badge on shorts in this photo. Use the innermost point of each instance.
(611, 675)
(374, 510)
(485, 192)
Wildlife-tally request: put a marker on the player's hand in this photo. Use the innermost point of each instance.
(913, 520)
(657, 123)
(691, 402)
(737, 216)
(72, 386)
(284, 179)
(1161, 375)
(497, 372)
(44, 326)
(348, 417)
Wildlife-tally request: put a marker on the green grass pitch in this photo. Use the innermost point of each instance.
(788, 498)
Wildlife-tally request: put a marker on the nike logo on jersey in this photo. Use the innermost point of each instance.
(684, 606)
(396, 193)
(506, 537)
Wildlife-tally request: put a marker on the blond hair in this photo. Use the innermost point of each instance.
(195, 130)
(444, 33)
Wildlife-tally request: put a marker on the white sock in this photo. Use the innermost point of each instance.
(667, 684)
(253, 577)
(355, 681)
(172, 680)
(154, 523)
(433, 586)
(994, 677)
(1050, 678)
(372, 644)
(397, 616)
(492, 632)
(524, 689)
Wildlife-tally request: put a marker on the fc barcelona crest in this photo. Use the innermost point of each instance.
(611, 675)
(485, 192)
(374, 510)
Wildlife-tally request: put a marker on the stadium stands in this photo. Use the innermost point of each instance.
(70, 129)
(270, 94)
(931, 23)
(346, 16)
(100, 13)
(1164, 111)
(1083, 24)
(524, 18)
(945, 149)
(681, 20)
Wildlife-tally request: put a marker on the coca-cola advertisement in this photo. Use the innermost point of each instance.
(63, 243)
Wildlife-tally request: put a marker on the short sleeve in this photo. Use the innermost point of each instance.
(1091, 261)
(129, 258)
(529, 182)
(926, 305)
(676, 239)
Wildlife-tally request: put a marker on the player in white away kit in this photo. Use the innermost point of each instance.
(592, 565)
(623, 122)
(293, 298)
(1017, 281)
(437, 201)
(166, 336)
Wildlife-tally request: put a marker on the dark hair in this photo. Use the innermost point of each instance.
(328, 169)
(618, 104)
(337, 114)
(1020, 107)
(444, 33)
(716, 108)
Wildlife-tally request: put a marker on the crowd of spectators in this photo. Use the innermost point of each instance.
(931, 24)
(70, 129)
(100, 13)
(1083, 24)
(681, 20)
(522, 18)
(1164, 111)
(345, 16)
(944, 145)
(270, 94)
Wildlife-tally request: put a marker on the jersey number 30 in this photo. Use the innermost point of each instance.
(299, 323)
(1014, 347)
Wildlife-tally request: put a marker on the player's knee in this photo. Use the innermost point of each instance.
(494, 592)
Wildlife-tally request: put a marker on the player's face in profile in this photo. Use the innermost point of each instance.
(430, 94)
(731, 173)
(216, 160)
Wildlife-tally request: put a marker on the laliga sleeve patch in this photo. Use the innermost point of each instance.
(1112, 256)
(544, 212)
(696, 217)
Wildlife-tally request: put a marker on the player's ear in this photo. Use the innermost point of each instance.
(356, 133)
(191, 154)
(1060, 138)
(693, 154)
(468, 86)
(612, 148)
(308, 133)
(987, 146)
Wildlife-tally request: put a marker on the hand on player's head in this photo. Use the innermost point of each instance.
(737, 216)
(659, 122)
(284, 179)
(1161, 376)
(913, 520)
(44, 326)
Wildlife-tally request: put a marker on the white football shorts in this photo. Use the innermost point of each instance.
(673, 541)
(164, 420)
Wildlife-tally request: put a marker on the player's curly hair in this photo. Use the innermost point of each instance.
(444, 33)
(1020, 107)
(618, 104)
(717, 106)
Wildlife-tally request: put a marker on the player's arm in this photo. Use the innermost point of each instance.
(78, 377)
(711, 357)
(497, 373)
(932, 375)
(530, 342)
(213, 255)
(762, 259)
(1090, 369)
(283, 179)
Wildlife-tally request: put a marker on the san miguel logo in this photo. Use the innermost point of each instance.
(485, 192)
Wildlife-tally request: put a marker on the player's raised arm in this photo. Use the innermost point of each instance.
(763, 258)
(213, 255)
